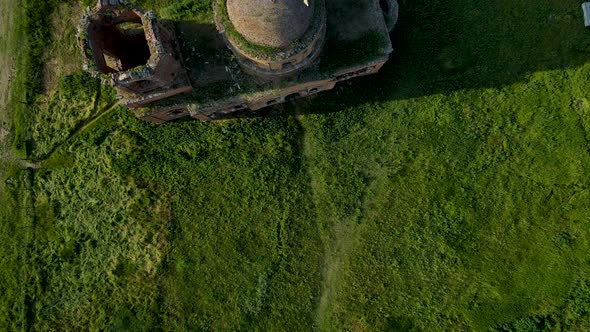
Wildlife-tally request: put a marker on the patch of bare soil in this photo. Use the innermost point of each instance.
(6, 66)
(63, 56)
(6, 78)
(7, 8)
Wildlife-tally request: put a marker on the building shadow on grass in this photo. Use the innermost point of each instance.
(443, 46)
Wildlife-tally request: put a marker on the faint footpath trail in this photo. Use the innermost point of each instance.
(339, 240)
(79, 130)
(6, 74)
(337, 251)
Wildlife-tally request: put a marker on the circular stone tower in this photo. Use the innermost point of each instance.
(273, 38)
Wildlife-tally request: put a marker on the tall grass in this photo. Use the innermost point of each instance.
(35, 34)
(450, 192)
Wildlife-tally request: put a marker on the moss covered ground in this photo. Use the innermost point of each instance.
(449, 192)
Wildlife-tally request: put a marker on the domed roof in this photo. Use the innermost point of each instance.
(273, 23)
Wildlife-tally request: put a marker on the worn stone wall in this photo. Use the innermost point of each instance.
(141, 76)
(225, 108)
(274, 70)
(391, 12)
(166, 114)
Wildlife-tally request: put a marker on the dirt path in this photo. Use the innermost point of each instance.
(7, 42)
(339, 241)
(343, 238)
(7, 61)
(35, 165)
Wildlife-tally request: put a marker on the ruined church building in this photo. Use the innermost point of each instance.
(255, 54)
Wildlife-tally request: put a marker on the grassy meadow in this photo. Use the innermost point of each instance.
(449, 192)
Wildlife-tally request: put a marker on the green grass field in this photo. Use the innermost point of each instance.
(449, 192)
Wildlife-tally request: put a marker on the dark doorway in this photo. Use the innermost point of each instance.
(293, 96)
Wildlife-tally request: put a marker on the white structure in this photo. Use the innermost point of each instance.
(586, 8)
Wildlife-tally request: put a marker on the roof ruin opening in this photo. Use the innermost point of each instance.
(119, 42)
(384, 6)
(129, 49)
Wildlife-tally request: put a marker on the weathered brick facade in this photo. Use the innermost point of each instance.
(139, 55)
